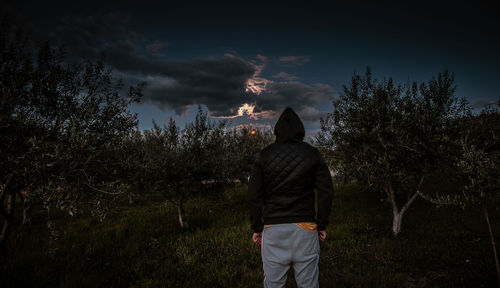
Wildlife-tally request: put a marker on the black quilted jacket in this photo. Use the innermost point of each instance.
(283, 178)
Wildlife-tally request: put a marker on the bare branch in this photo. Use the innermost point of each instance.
(414, 196)
(5, 187)
(102, 191)
(390, 192)
(408, 203)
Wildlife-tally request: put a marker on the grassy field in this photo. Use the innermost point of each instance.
(143, 246)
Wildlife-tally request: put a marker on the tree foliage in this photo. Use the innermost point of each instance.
(391, 135)
(480, 160)
(474, 177)
(243, 145)
(62, 126)
(71, 143)
(205, 153)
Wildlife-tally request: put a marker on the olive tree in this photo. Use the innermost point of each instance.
(244, 143)
(391, 136)
(481, 164)
(61, 126)
(164, 169)
(177, 162)
(474, 179)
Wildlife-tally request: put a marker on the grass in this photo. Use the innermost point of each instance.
(143, 246)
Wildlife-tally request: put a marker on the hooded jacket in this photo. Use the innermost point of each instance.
(284, 176)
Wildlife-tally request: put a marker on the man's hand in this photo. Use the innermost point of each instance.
(322, 235)
(257, 238)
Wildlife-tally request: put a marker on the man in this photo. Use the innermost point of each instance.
(282, 182)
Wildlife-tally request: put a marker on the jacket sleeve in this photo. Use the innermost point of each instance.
(324, 190)
(255, 196)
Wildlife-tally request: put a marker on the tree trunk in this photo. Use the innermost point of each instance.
(182, 215)
(493, 245)
(4, 192)
(130, 199)
(396, 223)
(397, 215)
(26, 213)
(26, 207)
(7, 224)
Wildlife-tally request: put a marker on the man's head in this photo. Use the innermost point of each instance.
(289, 127)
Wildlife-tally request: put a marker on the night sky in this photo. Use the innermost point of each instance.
(248, 60)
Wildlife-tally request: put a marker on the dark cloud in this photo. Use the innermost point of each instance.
(285, 76)
(462, 37)
(89, 36)
(294, 60)
(294, 94)
(484, 102)
(311, 114)
(220, 83)
(155, 48)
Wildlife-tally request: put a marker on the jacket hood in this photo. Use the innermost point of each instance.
(289, 127)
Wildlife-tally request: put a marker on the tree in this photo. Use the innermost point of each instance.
(163, 165)
(178, 163)
(391, 136)
(131, 155)
(244, 143)
(474, 179)
(61, 125)
(481, 163)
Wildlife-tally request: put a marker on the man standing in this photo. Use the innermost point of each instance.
(282, 204)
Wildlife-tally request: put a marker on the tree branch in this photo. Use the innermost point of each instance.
(5, 214)
(408, 203)
(390, 192)
(493, 245)
(11, 200)
(102, 191)
(414, 196)
(5, 187)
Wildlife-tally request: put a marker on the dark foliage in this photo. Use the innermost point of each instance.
(392, 136)
(62, 126)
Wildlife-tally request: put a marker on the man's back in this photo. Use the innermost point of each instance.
(284, 176)
(290, 171)
(282, 182)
